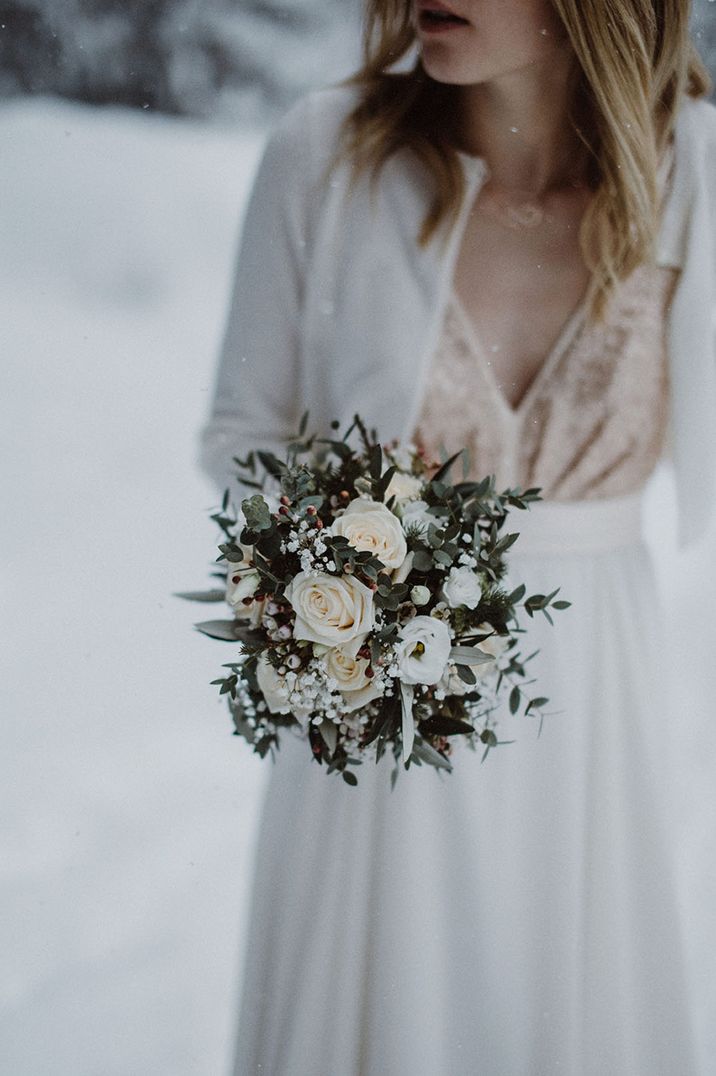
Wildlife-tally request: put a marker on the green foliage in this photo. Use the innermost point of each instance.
(257, 513)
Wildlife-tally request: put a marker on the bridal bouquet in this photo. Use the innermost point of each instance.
(368, 607)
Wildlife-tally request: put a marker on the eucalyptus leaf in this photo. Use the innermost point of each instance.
(273, 465)
(219, 629)
(443, 470)
(470, 655)
(427, 753)
(257, 513)
(201, 595)
(466, 674)
(443, 725)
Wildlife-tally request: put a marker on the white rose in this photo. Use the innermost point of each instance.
(273, 686)
(332, 609)
(422, 650)
(462, 587)
(349, 673)
(494, 646)
(370, 525)
(404, 487)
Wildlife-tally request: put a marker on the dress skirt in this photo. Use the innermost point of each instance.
(516, 917)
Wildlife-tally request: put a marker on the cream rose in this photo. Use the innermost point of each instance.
(273, 686)
(422, 650)
(462, 587)
(349, 673)
(404, 487)
(333, 609)
(370, 525)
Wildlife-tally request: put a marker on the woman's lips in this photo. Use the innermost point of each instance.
(442, 21)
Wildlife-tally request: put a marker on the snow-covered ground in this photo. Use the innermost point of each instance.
(129, 812)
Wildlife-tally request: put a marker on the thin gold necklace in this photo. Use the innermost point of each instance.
(526, 214)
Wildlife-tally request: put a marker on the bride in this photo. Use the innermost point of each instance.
(506, 244)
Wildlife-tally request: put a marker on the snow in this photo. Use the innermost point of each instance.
(130, 812)
(129, 809)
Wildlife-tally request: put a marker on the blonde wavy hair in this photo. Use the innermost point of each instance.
(635, 61)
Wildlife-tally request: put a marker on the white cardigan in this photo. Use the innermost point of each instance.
(336, 309)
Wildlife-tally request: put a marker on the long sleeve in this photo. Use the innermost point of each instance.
(255, 401)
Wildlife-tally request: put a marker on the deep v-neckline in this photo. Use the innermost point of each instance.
(565, 338)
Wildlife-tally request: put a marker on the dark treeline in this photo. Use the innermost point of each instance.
(194, 57)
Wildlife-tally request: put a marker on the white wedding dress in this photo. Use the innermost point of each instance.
(519, 917)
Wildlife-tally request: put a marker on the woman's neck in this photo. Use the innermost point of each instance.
(520, 124)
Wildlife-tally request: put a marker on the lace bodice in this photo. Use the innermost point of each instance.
(592, 422)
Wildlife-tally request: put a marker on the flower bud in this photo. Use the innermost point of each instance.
(420, 595)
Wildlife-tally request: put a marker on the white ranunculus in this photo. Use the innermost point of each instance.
(273, 687)
(462, 587)
(422, 650)
(494, 646)
(333, 609)
(416, 512)
(370, 525)
(349, 673)
(404, 487)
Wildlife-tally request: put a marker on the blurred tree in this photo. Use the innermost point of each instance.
(234, 58)
(200, 57)
(704, 26)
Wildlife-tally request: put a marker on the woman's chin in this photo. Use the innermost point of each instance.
(441, 64)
